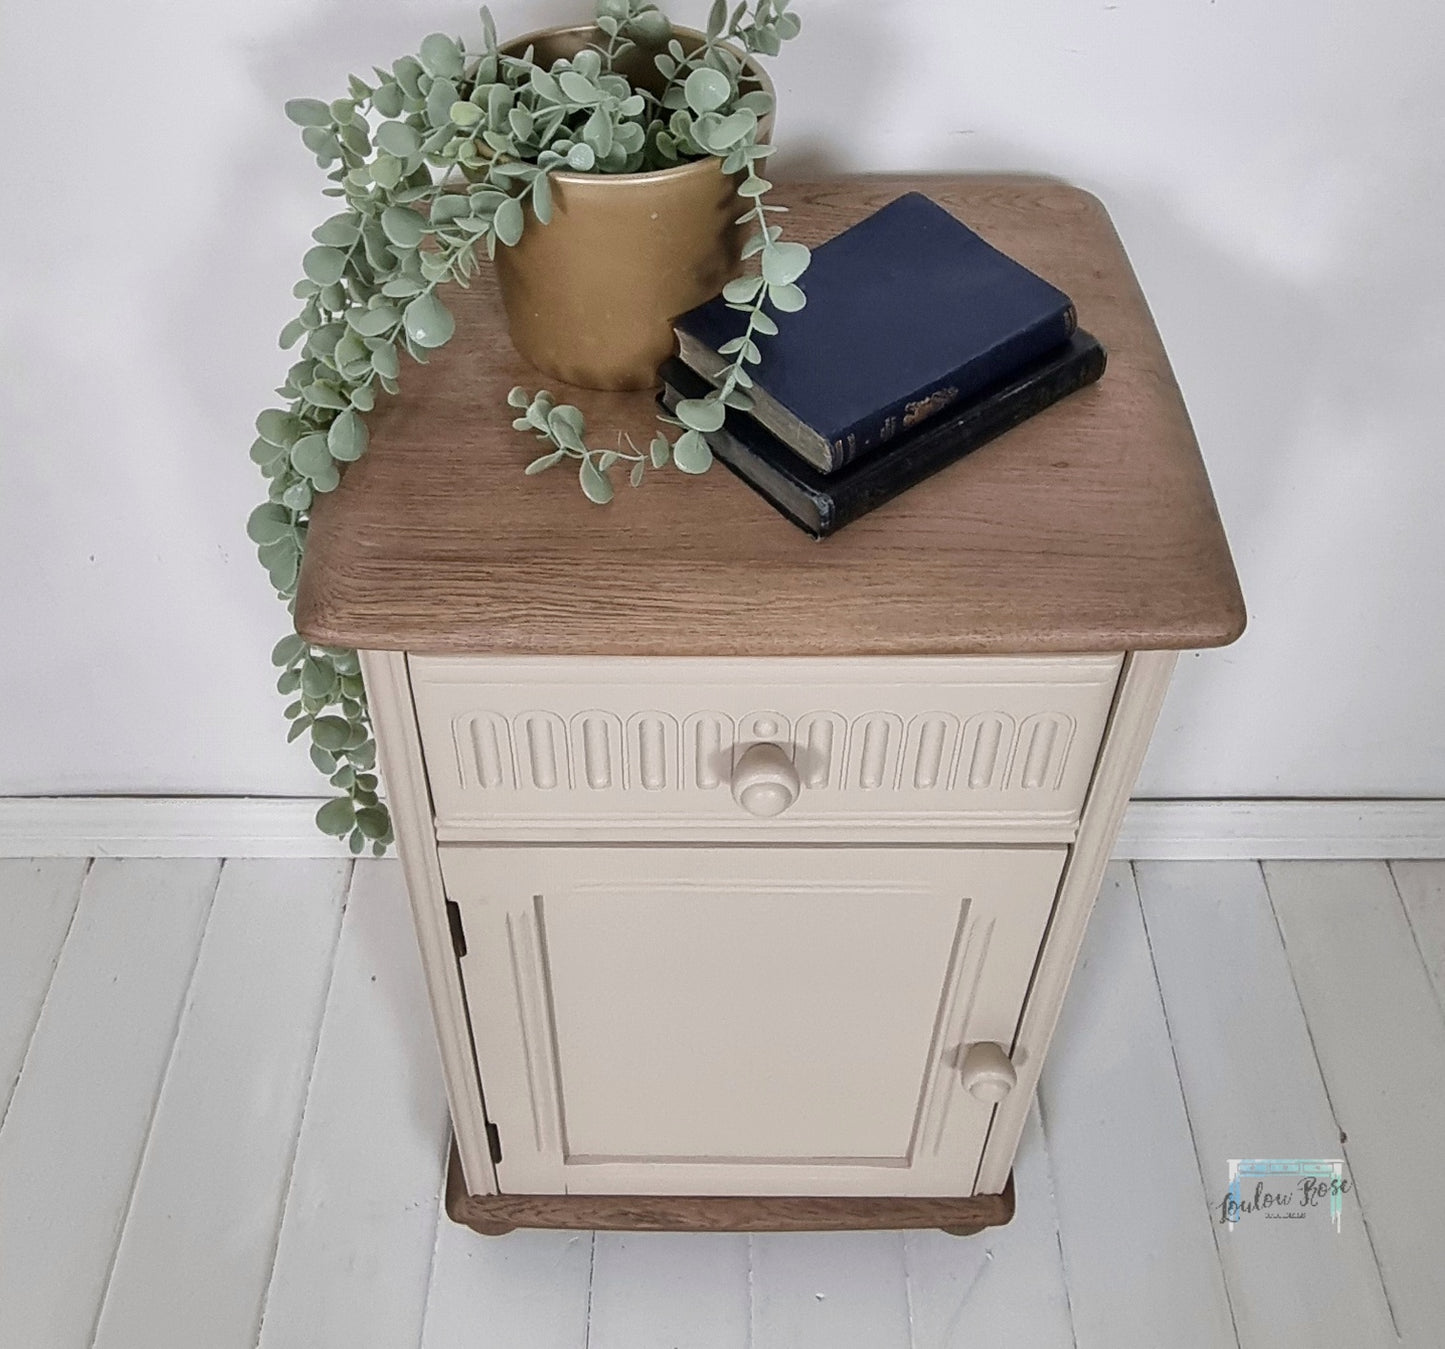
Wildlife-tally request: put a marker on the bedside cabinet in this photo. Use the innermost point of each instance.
(748, 871)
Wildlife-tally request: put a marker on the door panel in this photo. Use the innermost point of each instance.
(742, 1020)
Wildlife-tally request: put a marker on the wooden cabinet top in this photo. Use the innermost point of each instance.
(1090, 528)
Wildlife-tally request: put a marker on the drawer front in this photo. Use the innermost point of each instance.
(522, 743)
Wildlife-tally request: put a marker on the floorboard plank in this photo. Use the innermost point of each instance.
(1380, 1041)
(1134, 1220)
(198, 1241)
(669, 1290)
(1422, 891)
(37, 902)
(1003, 1287)
(82, 1108)
(527, 1289)
(354, 1256)
(829, 1290)
(1253, 1090)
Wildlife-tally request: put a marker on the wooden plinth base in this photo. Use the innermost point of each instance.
(497, 1214)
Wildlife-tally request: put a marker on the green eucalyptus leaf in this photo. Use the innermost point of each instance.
(339, 231)
(318, 680)
(692, 454)
(278, 428)
(388, 99)
(659, 451)
(385, 362)
(324, 265)
(542, 198)
(578, 88)
(706, 90)
(330, 733)
(509, 221)
(297, 497)
(581, 157)
(566, 427)
(427, 321)
(465, 114)
(372, 821)
(308, 112)
(595, 487)
(720, 134)
(440, 56)
(398, 138)
(742, 289)
(322, 395)
(268, 523)
(439, 100)
(288, 650)
(263, 453)
(310, 455)
(336, 816)
(403, 226)
(701, 414)
(638, 470)
(386, 171)
(347, 437)
(787, 299)
(544, 463)
(784, 263)
(650, 27)
(373, 322)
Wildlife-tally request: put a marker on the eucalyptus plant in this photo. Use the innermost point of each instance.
(445, 152)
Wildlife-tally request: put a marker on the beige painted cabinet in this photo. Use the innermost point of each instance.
(749, 872)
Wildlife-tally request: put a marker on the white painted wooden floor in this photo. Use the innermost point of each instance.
(223, 1127)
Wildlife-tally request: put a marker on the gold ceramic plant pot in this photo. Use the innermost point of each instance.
(591, 295)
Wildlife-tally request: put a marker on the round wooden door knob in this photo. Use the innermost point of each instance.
(764, 781)
(988, 1072)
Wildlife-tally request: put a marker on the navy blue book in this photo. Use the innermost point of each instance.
(822, 503)
(908, 311)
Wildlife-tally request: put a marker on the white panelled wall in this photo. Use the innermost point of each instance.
(1272, 167)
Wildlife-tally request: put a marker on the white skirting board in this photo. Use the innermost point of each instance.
(1166, 831)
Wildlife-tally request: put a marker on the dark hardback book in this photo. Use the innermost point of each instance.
(908, 312)
(822, 503)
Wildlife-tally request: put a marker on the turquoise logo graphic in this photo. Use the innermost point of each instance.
(1284, 1188)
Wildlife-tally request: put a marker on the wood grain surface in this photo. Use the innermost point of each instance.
(1090, 528)
(497, 1213)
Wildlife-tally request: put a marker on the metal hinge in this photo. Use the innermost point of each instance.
(454, 921)
(494, 1144)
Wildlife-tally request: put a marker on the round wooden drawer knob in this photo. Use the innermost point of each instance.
(988, 1073)
(764, 780)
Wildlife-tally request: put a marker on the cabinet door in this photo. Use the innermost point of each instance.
(742, 1020)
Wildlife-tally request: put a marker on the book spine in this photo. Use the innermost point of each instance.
(870, 485)
(979, 373)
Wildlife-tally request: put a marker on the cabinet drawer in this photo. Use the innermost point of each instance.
(996, 746)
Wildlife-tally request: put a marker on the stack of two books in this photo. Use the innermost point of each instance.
(919, 343)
